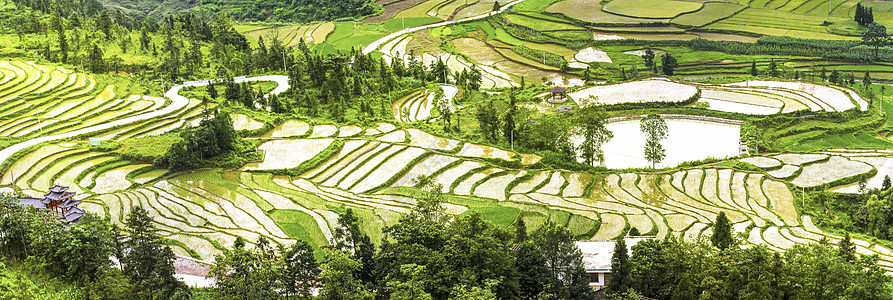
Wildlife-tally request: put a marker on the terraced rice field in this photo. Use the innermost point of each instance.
(38, 100)
(654, 90)
(207, 210)
(651, 9)
(750, 97)
(292, 35)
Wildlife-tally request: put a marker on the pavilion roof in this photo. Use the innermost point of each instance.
(557, 90)
(58, 189)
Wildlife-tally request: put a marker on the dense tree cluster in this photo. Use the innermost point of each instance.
(863, 15)
(213, 137)
(680, 270)
(81, 253)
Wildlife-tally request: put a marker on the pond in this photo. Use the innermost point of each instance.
(688, 140)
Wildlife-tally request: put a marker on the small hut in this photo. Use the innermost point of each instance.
(557, 94)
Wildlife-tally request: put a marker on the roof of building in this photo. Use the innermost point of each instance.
(597, 254)
(58, 189)
(557, 89)
(34, 202)
(59, 195)
(70, 203)
(72, 215)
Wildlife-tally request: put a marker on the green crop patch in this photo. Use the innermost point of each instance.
(502, 216)
(651, 9)
(397, 24)
(711, 12)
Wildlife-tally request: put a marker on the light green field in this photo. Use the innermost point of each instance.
(651, 9)
(540, 24)
(711, 12)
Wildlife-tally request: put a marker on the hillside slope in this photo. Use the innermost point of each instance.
(300, 11)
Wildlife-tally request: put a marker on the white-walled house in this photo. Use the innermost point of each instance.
(597, 258)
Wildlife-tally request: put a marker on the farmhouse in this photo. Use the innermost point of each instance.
(60, 200)
(597, 259)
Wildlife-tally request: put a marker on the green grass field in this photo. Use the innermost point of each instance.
(397, 24)
(651, 9)
(711, 12)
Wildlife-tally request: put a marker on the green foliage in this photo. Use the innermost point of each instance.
(338, 279)
(655, 129)
(147, 149)
(262, 271)
(668, 269)
(147, 262)
(202, 145)
(567, 276)
(620, 268)
(722, 232)
(551, 59)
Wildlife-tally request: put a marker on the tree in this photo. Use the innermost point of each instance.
(568, 278)
(149, 264)
(595, 134)
(859, 15)
(351, 239)
(496, 6)
(620, 268)
(649, 58)
(655, 129)
(488, 121)
(846, 250)
(508, 120)
(866, 80)
(772, 71)
(411, 289)
(338, 279)
(886, 185)
(753, 68)
(520, 231)
(247, 274)
(722, 232)
(212, 91)
(835, 77)
(876, 36)
(300, 271)
(97, 63)
(649, 268)
(668, 64)
(533, 275)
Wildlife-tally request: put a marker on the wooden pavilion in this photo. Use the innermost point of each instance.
(557, 94)
(60, 200)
